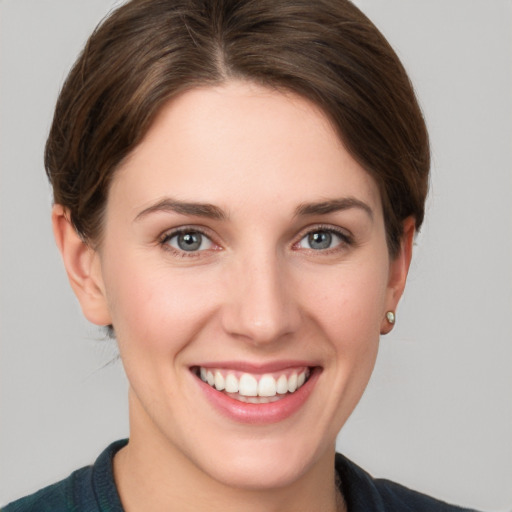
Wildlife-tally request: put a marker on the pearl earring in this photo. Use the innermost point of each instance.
(390, 315)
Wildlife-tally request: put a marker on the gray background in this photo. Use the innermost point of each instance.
(437, 415)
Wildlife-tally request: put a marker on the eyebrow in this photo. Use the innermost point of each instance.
(211, 211)
(206, 210)
(333, 205)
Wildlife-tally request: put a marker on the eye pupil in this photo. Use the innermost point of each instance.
(189, 241)
(320, 240)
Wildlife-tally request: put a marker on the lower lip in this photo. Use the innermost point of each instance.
(259, 414)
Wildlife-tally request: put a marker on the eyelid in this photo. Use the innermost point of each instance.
(345, 235)
(165, 236)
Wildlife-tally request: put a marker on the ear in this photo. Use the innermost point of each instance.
(83, 268)
(398, 270)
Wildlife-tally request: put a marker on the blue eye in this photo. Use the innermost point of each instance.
(322, 239)
(189, 241)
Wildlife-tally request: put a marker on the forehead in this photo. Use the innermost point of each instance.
(240, 143)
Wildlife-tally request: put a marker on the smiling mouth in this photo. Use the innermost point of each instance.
(254, 388)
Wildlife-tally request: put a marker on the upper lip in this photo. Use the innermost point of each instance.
(249, 367)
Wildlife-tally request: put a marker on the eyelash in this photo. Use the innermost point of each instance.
(346, 240)
(167, 236)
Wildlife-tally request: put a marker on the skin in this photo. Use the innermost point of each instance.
(256, 292)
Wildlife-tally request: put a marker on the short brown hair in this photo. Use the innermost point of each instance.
(147, 51)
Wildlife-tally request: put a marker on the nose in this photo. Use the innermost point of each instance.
(260, 305)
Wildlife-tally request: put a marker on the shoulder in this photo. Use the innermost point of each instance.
(398, 497)
(89, 489)
(363, 493)
(58, 497)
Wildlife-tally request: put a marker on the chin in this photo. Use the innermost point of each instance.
(263, 463)
(257, 473)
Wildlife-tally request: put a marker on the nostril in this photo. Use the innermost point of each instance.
(261, 331)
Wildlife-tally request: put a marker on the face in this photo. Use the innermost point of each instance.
(244, 267)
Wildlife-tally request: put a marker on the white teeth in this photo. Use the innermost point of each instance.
(249, 389)
(292, 383)
(282, 385)
(248, 385)
(219, 381)
(231, 383)
(267, 386)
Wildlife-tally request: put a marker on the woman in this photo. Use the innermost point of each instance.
(237, 187)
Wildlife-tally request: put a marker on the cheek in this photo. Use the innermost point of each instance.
(349, 301)
(345, 307)
(157, 309)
